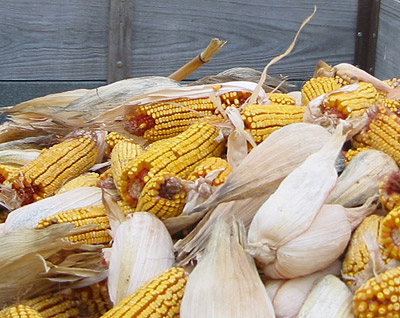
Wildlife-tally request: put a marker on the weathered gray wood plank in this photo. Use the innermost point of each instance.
(388, 47)
(53, 39)
(166, 34)
(12, 93)
(67, 40)
(119, 40)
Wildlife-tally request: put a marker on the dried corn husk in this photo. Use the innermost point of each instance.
(29, 215)
(142, 249)
(294, 233)
(268, 163)
(361, 177)
(225, 282)
(35, 262)
(329, 298)
(288, 296)
(18, 157)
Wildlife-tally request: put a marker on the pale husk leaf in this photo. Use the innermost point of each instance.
(329, 298)
(361, 177)
(314, 249)
(292, 208)
(142, 249)
(29, 215)
(34, 262)
(18, 157)
(225, 283)
(269, 163)
(288, 295)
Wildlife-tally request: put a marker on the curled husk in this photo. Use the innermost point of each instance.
(294, 233)
(288, 295)
(329, 298)
(142, 249)
(225, 282)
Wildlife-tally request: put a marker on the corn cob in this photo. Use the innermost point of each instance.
(177, 155)
(113, 138)
(160, 297)
(163, 195)
(281, 99)
(126, 208)
(389, 191)
(393, 82)
(44, 176)
(389, 235)
(88, 179)
(171, 117)
(8, 173)
(379, 296)
(19, 311)
(341, 81)
(317, 86)
(382, 133)
(93, 300)
(54, 306)
(351, 153)
(357, 255)
(121, 156)
(262, 120)
(106, 180)
(352, 103)
(95, 215)
(208, 165)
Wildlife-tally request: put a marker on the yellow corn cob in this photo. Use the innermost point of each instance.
(161, 297)
(389, 235)
(44, 176)
(379, 297)
(8, 173)
(126, 208)
(393, 82)
(317, 86)
(177, 155)
(389, 191)
(169, 118)
(121, 156)
(382, 133)
(54, 306)
(281, 99)
(163, 195)
(87, 179)
(351, 153)
(352, 103)
(341, 81)
(19, 311)
(95, 215)
(262, 120)
(211, 164)
(93, 300)
(357, 255)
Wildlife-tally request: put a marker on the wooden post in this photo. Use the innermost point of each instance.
(119, 40)
(366, 34)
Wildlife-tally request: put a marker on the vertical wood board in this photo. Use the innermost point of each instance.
(387, 63)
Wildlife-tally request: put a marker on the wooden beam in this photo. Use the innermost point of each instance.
(119, 40)
(366, 34)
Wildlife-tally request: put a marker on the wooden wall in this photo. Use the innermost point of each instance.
(388, 41)
(54, 45)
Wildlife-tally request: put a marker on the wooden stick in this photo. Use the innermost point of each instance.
(213, 47)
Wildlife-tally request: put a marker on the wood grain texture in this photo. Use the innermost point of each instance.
(53, 39)
(388, 46)
(67, 40)
(119, 40)
(166, 34)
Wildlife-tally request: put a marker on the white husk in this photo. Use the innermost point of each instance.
(142, 249)
(16, 157)
(29, 215)
(266, 165)
(225, 282)
(288, 296)
(329, 298)
(289, 234)
(361, 177)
